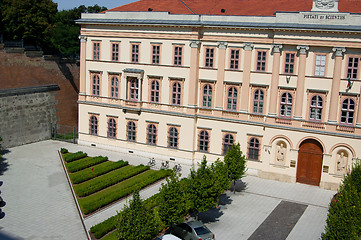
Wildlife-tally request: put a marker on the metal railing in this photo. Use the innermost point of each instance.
(64, 133)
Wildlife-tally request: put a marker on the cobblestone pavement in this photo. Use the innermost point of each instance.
(39, 204)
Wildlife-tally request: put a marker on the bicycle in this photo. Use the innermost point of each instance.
(165, 165)
(177, 168)
(151, 162)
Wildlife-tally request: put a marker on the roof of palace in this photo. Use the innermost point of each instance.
(230, 7)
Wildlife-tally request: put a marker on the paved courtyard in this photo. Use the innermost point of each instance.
(39, 203)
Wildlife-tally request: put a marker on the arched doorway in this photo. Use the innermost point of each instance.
(309, 164)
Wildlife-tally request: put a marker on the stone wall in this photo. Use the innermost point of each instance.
(26, 114)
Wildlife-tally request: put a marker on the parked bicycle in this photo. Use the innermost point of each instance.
(151, 162)
(165, 165)
(178, 168)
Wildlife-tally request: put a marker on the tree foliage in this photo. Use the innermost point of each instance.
(173, 197)
(31, 20)
(222, 180)
(344, 214)
(136, 222)
(235, 161)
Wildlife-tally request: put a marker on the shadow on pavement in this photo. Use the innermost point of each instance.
(212, 215)
(5, 236)
(4, 165)
(240, 186)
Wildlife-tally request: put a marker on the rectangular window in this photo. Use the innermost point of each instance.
(178, 55)
(115, 51)
(133, 89)
(96, 50)
(261, 61)
(114, 87)
(209, 58)
(320, 65)
(289, 63)
(352, 67)
(155, 54)
(234, 64)
(96, 85)
(135, 53)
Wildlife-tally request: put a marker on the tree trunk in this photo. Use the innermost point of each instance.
(234, 186)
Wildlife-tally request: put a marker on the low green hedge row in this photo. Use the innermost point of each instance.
(84, 163)
(101, 229)
(63, 150)
(74, 156)
(100, 169)
(97, 200)
(94, 185)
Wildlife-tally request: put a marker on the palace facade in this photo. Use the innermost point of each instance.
(178, 80)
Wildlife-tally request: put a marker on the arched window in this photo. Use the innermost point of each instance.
(131, 131)
(232, 99)
(93, 125)
(112, 128)
(96, 85)
(258, 101)
(152, 134)
(347, 111)
(134, 89)
(207, 96)
(154, 91)
(286, 105)
(227, 143)
(176, 93)
(203, 141)
(316, 108)
(173, 137)
(114, 90)
(253, 149)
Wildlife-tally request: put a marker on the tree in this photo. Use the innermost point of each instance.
(173, 200)
(235, 161)
(203, 190)
(32, 20)
(135, 221)
(222, 181)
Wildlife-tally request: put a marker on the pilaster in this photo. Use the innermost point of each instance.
(194, 72)
(248, 47)
(276, 50)
(300, 91)
(82, 85)
(222, 46)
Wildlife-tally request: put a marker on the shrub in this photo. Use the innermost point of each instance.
(100, 169)
(95, 201)
(75, 156)
(344, 214)
(101, 229)
(63, 150)
(116, 176)
(84, 163)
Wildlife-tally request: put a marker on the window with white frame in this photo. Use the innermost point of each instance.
(347, 111)
(316, 106)
(207, 96)
(352, 67)
(286, 105)
(133, 89)
(112, 128)
(320, 65)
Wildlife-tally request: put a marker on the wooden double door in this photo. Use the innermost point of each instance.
(309, 165)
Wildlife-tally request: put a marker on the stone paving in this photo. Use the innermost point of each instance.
(39, 203)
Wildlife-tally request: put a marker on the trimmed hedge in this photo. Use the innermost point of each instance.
(102, 182)
(74, 156)
(97, 200)
(84, 163)
(63, 150)
(101, 229)
(100, 169)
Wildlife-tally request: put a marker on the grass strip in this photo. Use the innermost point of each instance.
(84, 163)
(102, 168)
(112, 236)
(74, 156)
(94, 185)
(101, 229)
(97, 200)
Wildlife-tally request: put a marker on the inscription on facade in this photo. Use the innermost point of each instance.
(318, 16)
